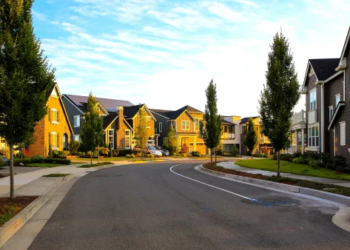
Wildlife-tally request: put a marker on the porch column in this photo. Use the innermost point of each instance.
(296, 140)
(302, 141)
(195, 143)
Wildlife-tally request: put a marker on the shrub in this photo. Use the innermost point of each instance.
(314, 163)
(2, 163)
(234, 151)
(17, 161)
(123, 152)
(300, 160)
(284, 157)
(73, 147)
(340, 163)
(57, 160)
(130, 156)
(196, 153)
(103, 151)
(37, 159)
(260, 155)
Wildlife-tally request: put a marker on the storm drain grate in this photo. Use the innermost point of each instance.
(273, 202)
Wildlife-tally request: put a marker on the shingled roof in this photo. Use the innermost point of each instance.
(176, 113)
(110, 105)
(324, 68)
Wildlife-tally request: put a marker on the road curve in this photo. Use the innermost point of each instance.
(148, 206)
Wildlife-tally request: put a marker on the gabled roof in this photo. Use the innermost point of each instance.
(192, 109)
(346, 45)
(246, 119)
(131, 111)
(111, 105)
(107, 120)
(324, 68)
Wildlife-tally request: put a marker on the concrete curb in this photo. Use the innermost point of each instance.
(285, 187)
(12, 226)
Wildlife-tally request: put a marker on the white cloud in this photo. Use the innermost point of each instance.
(225, 12)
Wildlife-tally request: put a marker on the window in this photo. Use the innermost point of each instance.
(185, 125)
(111, 137)
(54, 140)
(77, 121)
(244, 129)
(54, 116)
(342, 133)
(225, 129)
(160, 127)
(330, 112)
(313, 100)
(127, 139)
(196, 124)
(76, 138)
(337, 100)
(313, 136)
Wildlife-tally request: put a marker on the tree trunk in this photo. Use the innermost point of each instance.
(278, 164)
(12, 189)
(215, 154)
(211, 156)
(91, 157)
(98, 154)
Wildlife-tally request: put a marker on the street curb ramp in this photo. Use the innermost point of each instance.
(12, 226)
(285, 187)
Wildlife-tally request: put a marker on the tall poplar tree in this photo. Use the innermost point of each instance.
(252, 137)
(141, 133)
(92, 126)
(280, 95)
(211, 127)
(25, 76)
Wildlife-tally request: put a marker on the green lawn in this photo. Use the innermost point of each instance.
(95, 165)
(56, 175)
(293, 168)
(44, 165)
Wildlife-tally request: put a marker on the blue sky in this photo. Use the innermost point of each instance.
(164, 52)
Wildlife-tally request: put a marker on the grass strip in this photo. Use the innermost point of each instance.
(56, 175)
(95, 165)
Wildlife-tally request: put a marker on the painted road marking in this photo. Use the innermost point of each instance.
(206, 184)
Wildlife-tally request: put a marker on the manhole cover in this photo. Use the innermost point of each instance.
(108, 175)
(273, 202)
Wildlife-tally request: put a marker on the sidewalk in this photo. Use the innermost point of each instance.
(231, 165)
(31, 177)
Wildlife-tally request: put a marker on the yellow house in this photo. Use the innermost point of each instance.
(54, 129)
(185, 122)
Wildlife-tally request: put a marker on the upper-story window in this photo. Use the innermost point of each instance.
(337, 100)
(127, 139)
(244, 129)
(225, 129)
(313, 99)
(54, 116)
(196, 124)
(77, 121)
(185, 125)
(330, 112)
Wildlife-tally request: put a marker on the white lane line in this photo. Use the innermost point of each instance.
(206, 184)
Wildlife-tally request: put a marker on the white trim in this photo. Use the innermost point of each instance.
(189, 125)
(64, 96)
(342, 140)
(345, 45)
(311, 90)
(333, 76)
(334, 147)
(322, 119)
(108, 137)
(335, 99)
(76, 126)
(53, 133)
(129, 139)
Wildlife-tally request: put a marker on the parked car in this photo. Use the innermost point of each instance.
(164, 151)
(4, 159)
(154, 151)
(138, 149)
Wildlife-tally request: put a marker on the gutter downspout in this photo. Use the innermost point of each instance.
(322, 118)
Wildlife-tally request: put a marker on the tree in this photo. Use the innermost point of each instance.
(211, 128)
(92, 126)
(25, 76)
(141, 133)
(279, 95)
(252, 137)
(234, 151)
(170, 142)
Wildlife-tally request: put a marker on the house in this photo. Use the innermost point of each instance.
(264, 143)
(326, 87)
(185, 121)
(120, 119)
(54, 130)
(231, 135)
(298, 133)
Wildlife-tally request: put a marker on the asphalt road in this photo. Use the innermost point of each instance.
(149, 207)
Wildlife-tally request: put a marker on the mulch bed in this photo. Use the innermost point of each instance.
(9, 208)
(231, 171)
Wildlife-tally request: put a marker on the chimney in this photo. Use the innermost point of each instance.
(121, 117)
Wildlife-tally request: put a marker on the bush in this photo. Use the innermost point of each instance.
(300, 160)
(340, 163)
(196, 153)
(130, 156)
(37, 159)
(284, 157)
(122, 152)
(2, 163)
(103, 151)
(234, 151)
(57, 160)
(315, 163)
(260, 155)
(73, 147)
(17, 161)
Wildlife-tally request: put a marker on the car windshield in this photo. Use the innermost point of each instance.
(151, 148)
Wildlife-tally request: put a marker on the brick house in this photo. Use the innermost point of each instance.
(54, 129)
(120, 119)
(326, 87)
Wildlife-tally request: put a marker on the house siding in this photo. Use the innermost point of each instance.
(184, 117)
(73, 111)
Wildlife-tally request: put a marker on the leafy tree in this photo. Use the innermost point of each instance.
(92, 126)
(280, 95)
(141, 133)
(211, 128)
(234, 151)
(25, 76)
(252, 137)
(170, 142)
(73, 147)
